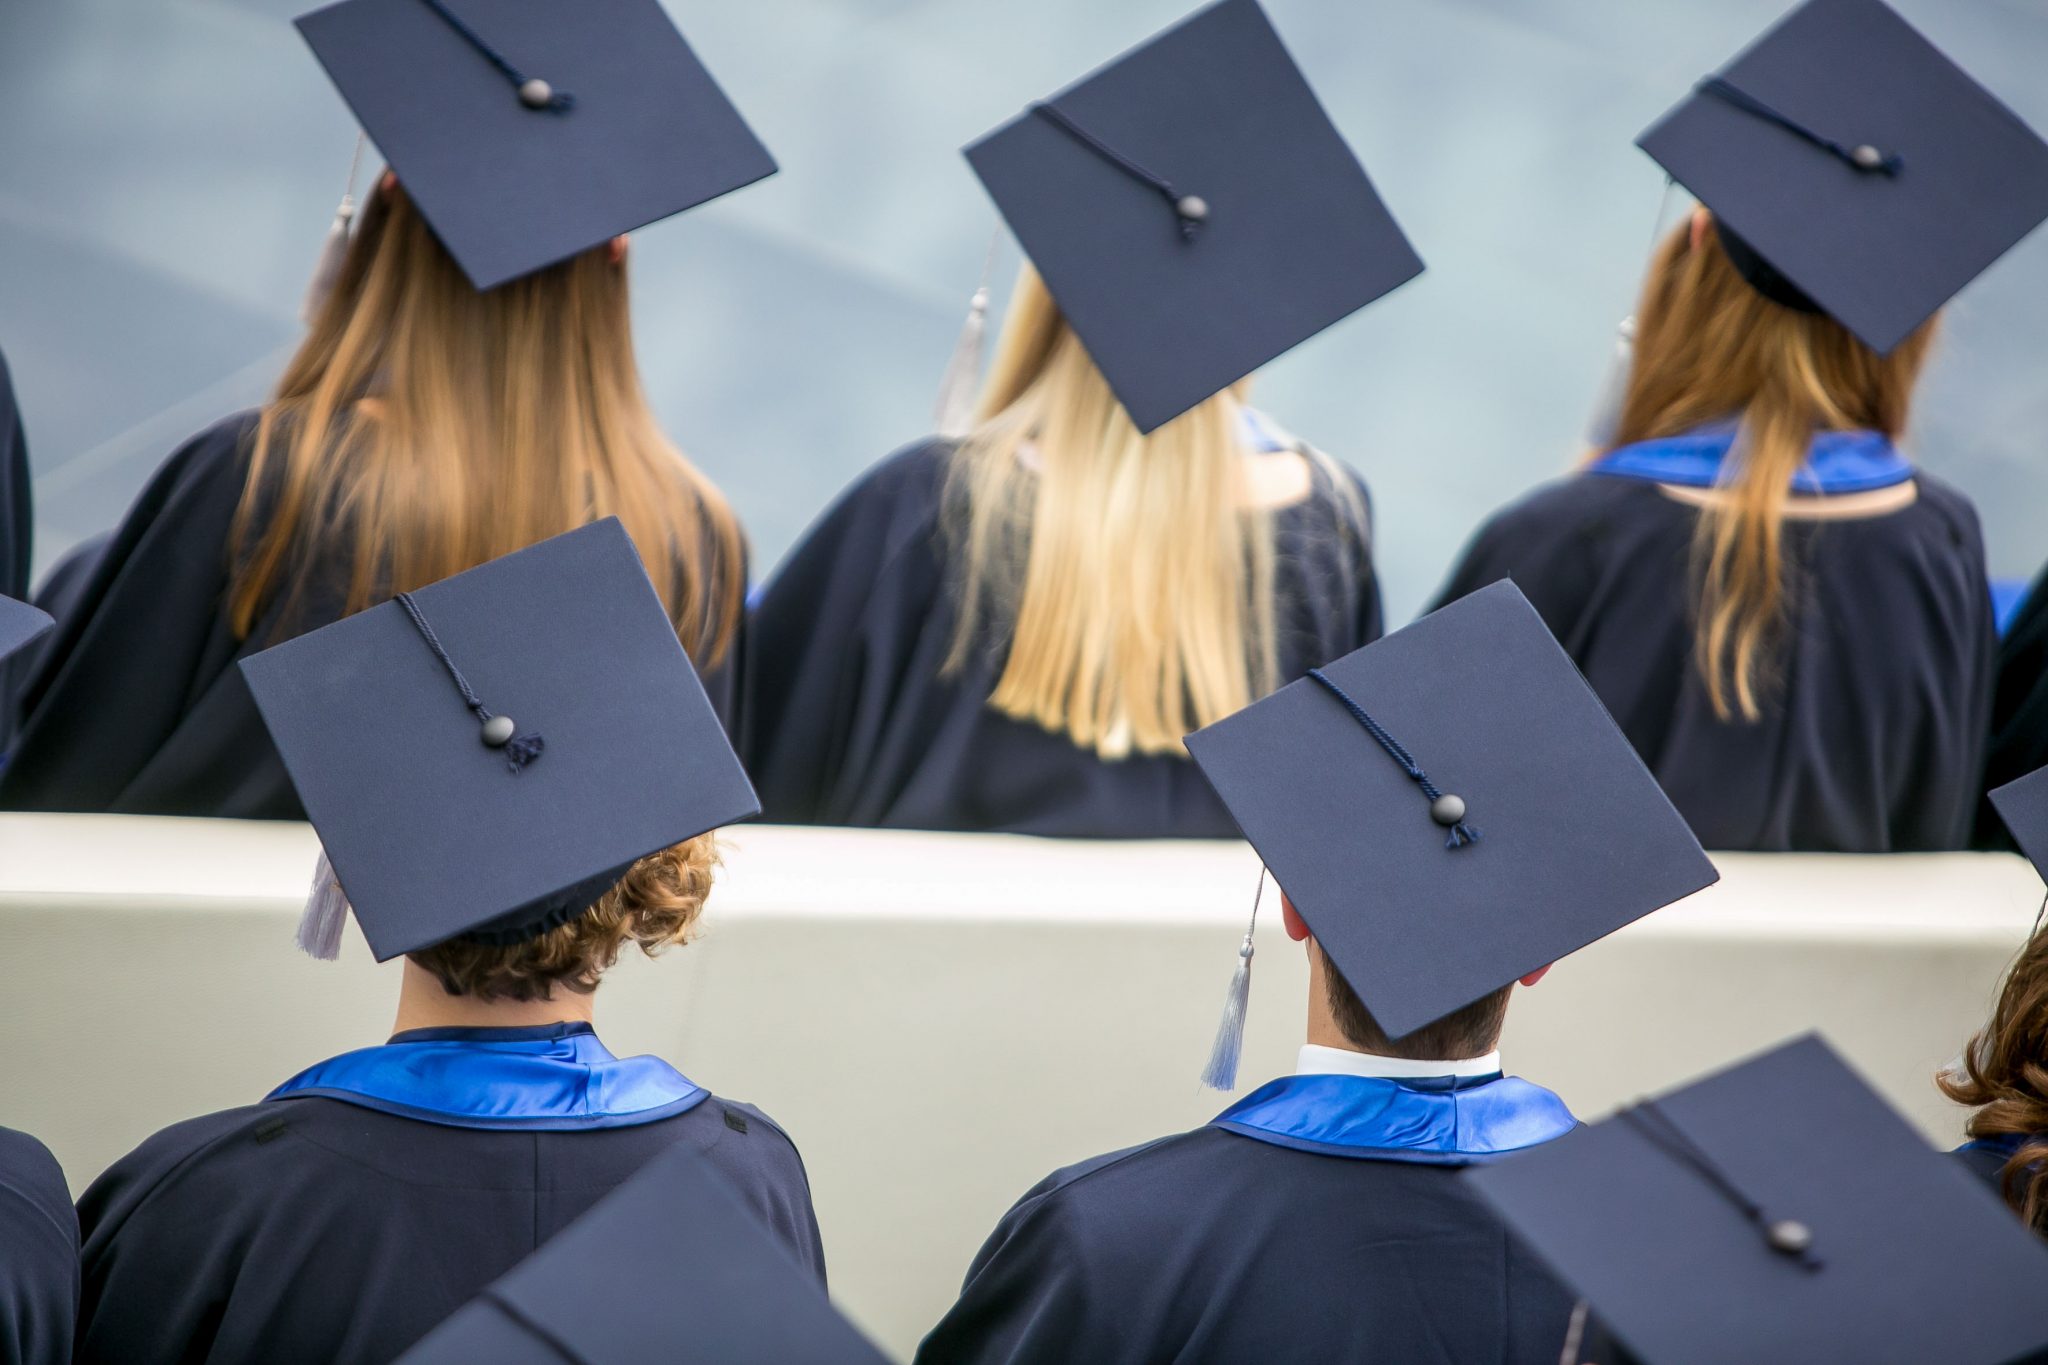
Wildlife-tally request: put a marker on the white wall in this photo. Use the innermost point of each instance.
(940, 1020)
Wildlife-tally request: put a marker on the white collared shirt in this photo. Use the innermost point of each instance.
(1317, 1060)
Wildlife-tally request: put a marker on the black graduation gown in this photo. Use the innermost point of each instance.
(1211, 1247)
(135, 705)
(850, 723)
(38, 1255)
(312, 1229)
(2019, 708)
(1873, 741)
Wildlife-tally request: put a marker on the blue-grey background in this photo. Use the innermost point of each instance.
(168, 167)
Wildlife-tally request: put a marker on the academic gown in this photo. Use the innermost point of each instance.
(38, 1255)
(135, 704)
(1319, 1221)
(850, 721)
(1872, 739)
(315, 1227)
(2019, 709)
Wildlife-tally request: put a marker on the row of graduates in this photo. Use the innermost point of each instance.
(1012, 628)
(312, 610)
(491, 1183)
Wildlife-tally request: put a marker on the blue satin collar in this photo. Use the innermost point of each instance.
(552, 1077)
(1448, 1121)
(1836, 462)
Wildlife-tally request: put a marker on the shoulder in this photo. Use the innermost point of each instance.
(166, 1158)
(1984, 1162)
(892, 506)
(742, 1138)
(1100, 1193)
(31, 1176)
(1579, 502)
(1951, 507)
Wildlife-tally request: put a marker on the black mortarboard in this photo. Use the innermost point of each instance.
(1574, 838)
(2023, 805)
(1849, 162)
(1193, 210)
(670, 1266)
(1777, 1211)
(20, 624)
(629, 127)
(433, 830)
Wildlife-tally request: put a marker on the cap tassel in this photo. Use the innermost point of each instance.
(1221, 1072)
(333, 251)
(326, 911)
(953, 413)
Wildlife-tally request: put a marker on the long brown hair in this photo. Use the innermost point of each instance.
(1710, 348)
(498, 419)
(2005, 1077)
(1133, 576)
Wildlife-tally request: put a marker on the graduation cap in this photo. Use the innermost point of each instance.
(1193, 211)
(487, 756)
(669, 1266)
(1449, 808)
(1778, 1210)
(20, 625)
(530, 130)
(1853, 169)
(2023, 805)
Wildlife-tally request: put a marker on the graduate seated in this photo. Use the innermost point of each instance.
(2003, 1072)
(1014, 629)
(1720, 1224)
(1448, 811)
(508, 819)
(1787, 614)
(467, 385)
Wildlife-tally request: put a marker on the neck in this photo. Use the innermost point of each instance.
(1322, 1021)
(423, 1003)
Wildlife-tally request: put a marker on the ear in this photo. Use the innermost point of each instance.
(1297, 927)
(1537, 975)
(1701, 221)
(388, 181)
(618, 249)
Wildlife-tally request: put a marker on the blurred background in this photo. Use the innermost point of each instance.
(168, 169)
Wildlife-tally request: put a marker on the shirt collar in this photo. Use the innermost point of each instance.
(1317, 1060)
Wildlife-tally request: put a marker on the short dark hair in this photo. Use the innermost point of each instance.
(1470, 1031)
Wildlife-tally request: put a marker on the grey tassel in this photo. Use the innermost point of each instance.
(1606, 419)
(326, 911)
(334, 251)
(1574, 1335)
(953, 414)
(1221, 1072)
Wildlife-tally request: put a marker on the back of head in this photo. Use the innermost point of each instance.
(424, 428)
(1470, 1031)
(656, 904)
(1710, 348)
(1127, 576)
(2005, 1077)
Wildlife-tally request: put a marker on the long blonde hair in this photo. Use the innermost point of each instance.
(1708, 348)
(1134, 579)
(499, 419)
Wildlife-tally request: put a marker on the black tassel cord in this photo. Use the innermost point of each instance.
(1786, 1236)
(498, 732)
(1447, 810)
(1863, 156)
(533, 92)
(1190, 209)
